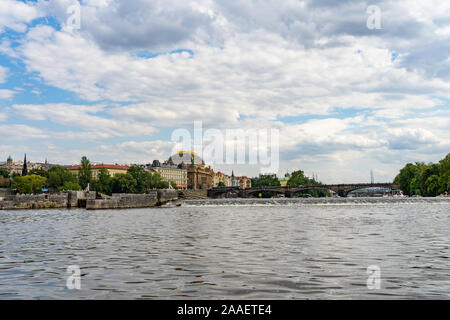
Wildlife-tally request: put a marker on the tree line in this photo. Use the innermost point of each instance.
(427, 180)
(58, 178)
(295, 179)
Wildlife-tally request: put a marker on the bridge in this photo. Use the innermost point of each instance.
(289, 191)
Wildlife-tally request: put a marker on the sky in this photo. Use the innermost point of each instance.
(345, 95)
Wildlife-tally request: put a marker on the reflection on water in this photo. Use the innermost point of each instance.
(230, 249)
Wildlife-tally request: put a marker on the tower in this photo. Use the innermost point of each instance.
(24, 168)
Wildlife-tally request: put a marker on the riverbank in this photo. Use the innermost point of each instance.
(155, 198)
(90, 200)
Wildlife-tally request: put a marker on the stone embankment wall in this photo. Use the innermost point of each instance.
(34, 201)
(80, 198)
(124, 201)
(167, 195)
(89, 200)
(65, 199)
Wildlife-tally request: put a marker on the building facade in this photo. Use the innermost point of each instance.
(241, 182)
(220, 178)
(112, 169)
(199, 176)
(171, 172)
(12, 167)
(284, 181)
(17, 168)
(244, 182)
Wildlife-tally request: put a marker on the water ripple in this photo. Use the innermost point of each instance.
(230, 249)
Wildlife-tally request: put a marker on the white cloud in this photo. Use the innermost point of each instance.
(379, 96)
(3, 74)
(5, 48)
(6, 93)
(408, 138)
(13, 132)
(16, 14)
(83, 117)
(258, 74)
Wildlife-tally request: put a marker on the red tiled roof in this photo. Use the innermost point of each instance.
(100, 166)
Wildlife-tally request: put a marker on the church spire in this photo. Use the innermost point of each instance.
(25, 169)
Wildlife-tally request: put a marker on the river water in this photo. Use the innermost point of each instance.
(232, 249)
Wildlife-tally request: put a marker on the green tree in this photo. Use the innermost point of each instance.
(298, 178)
(405, 177)
(141, 176)
(155, 181)
(85, 173)
(38, 172)
(266, 180)
(444, 174)
(103, 183)
(123, 183)
(69, 185)
(425, 179)
(173, 185)
(414, 187)
(4, 173)
(432, 186)
(426, 171)
(29, 184)
(59, 176)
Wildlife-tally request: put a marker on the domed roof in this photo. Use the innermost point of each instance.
(156, 163)
(186, 157)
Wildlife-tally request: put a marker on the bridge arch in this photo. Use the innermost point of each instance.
(341, 189)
